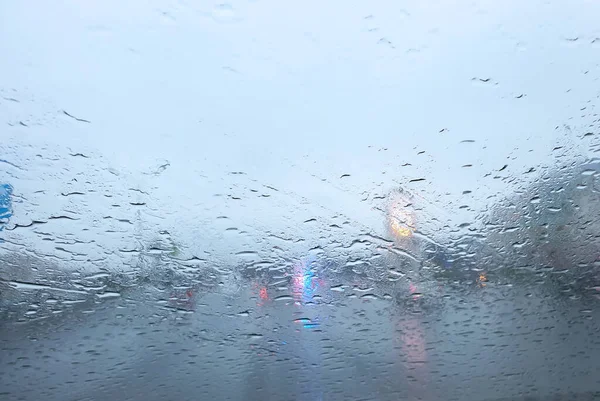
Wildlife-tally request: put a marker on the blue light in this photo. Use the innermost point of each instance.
(6, 191)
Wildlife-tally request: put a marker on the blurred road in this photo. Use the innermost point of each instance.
(479, 343)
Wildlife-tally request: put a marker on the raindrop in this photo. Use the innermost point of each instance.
(75, 118)
(106, 295)
(247, 253)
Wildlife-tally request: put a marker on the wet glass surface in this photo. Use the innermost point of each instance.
(262, 200)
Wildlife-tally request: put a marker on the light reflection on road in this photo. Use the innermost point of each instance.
(414, 355)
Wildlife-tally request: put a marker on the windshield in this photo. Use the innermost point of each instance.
(269, 200)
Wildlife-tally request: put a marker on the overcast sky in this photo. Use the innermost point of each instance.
(333, 104)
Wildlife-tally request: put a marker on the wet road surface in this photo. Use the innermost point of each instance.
(483, 344)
